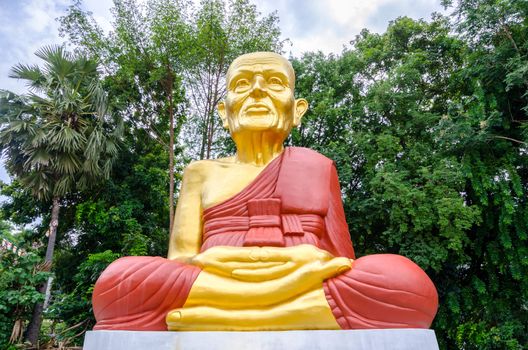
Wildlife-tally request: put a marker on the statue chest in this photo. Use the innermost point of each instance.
(225, 181)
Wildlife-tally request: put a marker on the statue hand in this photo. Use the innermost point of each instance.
(258, 264)
(211, 289)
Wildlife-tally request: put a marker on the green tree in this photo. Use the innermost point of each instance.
(125, 215)
(20, 275)
(60, 138)
(428, 130)
(142, 57)
(374, 111)
(76, 306)
(220, 31)
(487, 129)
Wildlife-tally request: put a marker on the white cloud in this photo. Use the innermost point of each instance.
(39, 15)
(26, 26)
(328, 25)
(101, 12)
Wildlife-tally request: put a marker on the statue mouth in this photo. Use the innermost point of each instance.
(257, 108)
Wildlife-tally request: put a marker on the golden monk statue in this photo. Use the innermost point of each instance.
(260, 240)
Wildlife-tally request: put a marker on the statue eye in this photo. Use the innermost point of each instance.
(242, 85)
(275, 83)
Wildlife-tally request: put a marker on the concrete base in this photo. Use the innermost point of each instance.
(376, 339)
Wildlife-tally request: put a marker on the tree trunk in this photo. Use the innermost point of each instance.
(171, 161)
(204, 130)
(33, 331)
(212, 107)
(206, 116)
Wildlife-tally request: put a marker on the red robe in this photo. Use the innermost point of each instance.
(295, 200)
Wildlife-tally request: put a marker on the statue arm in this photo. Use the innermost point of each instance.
(186, 235)
(337, 239)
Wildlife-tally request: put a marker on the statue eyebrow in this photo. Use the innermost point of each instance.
(243, 73)
(284, 77)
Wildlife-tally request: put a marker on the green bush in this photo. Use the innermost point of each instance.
(20, 276)
(73, 311)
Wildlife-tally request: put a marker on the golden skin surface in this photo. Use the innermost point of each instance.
(230, 177)
(249, 288)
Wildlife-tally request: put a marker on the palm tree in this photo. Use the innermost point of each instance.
(59, 138)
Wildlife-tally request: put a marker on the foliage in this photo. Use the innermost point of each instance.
(19, 206)
(219, 32)
(20, 274)
(196, 44)
(492, 123)
(428, 132)
(51, 142)
(60, 138)
(142, 57)
(136, 59)
(126, 216)
(76, 306)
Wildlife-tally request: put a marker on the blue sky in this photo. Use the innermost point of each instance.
(311, 25)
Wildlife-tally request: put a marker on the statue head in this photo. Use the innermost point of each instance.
(260, 95)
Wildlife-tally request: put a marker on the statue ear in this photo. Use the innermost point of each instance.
(223, 116)
(301, 106)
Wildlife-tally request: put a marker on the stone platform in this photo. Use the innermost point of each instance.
(377, 339)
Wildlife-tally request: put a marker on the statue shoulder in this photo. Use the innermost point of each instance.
(201, 168)
(195, 170)
(308, 155)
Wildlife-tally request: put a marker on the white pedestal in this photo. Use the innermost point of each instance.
(376, 339)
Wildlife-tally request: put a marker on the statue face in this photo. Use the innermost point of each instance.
(260, 95)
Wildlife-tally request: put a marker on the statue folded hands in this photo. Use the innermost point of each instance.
(260, 240)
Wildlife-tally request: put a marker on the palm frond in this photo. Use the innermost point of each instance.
(39, 158)
(39, 138)
(107, 167)
(93, 146)
(65, 164)
(31, 73)
(39, 101)
(20, 126)
(59, 64)
(64, 186)
(111, 148)
(61, 136)
(38, 182)
(98, 99)
(47, 51)
(12, 106)
(91, 167)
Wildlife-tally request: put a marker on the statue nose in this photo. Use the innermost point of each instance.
(257, 88)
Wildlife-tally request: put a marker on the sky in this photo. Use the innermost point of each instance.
(310, 25)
